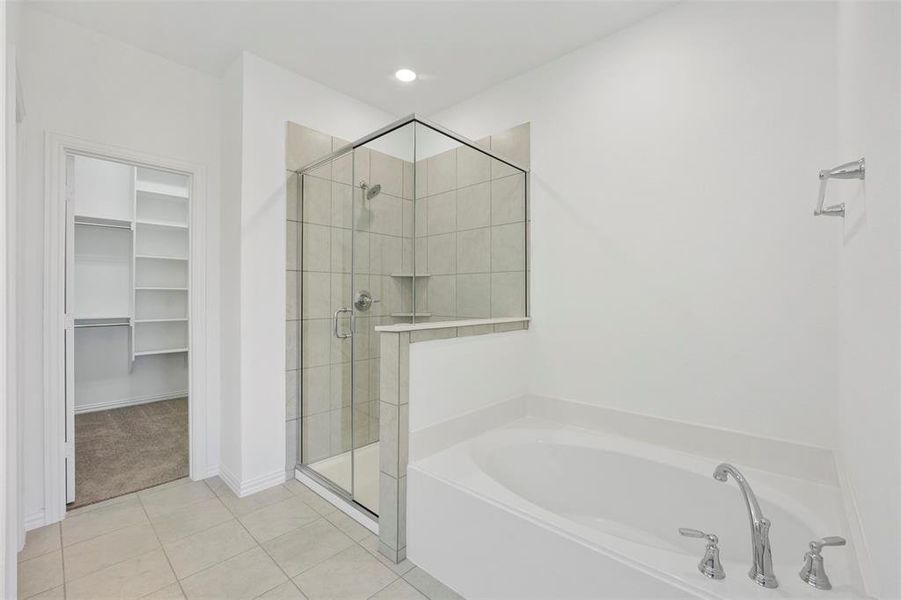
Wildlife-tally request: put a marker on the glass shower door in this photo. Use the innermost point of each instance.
(326, 327)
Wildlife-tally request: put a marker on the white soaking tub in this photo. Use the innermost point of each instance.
(539, 508)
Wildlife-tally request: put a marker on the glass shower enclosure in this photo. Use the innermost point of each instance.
(409, 224)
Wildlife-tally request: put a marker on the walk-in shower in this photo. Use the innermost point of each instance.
(411, 223)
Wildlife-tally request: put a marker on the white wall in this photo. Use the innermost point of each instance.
(868, 54)
(493, 364)
(80, 83)
(270, 97)
(676, 268)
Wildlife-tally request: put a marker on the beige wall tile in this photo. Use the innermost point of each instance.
(317, 200)
(508, 294)
(508, 247)
(340, 250)
(443, 295)
(317, 337)
(442, 254)
(292, 446)
(474, 206)
(508, 200)
(292, 397)
(513, 144)
(474, 296)
(291, 292)
(292, 198)
(316, 248)
(442, 213)
(292, 231)
(387, 171)
(342, 207)
(291, 343)
(474, 251)
(442, 172)
(316, 293)
(304, 145)
(472, 166)
(316, 393)
(315, 437)
(340, 393)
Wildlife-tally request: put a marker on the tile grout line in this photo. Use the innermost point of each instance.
(163, 549)
(259, 545)
(62, 558)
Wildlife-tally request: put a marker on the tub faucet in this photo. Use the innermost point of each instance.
(761, 557)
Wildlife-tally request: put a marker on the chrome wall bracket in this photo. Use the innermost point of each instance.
(851, 170)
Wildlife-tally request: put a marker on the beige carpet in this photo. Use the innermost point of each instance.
(124, 450)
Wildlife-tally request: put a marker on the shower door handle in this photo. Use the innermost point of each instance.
(338, 334)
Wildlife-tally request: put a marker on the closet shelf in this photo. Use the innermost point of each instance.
(102, 321)
(102, 222)
(147, 187)
(161, 289)
(163, 351)
(155, 257)
(173, 320)
(169, 224)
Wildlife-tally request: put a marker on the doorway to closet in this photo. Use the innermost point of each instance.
(127, 327)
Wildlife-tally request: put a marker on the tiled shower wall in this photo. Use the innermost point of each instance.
(322, 217)
(471, 230)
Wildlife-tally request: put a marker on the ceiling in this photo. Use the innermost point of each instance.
(458, 48)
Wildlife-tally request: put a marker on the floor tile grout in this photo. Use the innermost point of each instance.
(162, 549)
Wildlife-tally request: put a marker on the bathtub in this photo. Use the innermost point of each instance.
(537, 507)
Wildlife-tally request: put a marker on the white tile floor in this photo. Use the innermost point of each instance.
(189, 539)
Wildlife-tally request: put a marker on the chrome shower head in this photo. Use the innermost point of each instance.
(370, 192)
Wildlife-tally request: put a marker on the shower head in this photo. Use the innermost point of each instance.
(370, 192)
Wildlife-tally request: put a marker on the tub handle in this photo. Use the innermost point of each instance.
(710, 565)
(813, 573)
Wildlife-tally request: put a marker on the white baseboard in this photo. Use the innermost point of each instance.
(35, 520)
(253, 485)
(123, 402)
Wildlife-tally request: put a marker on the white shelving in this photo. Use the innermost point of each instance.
(128, 289)
(161, 263)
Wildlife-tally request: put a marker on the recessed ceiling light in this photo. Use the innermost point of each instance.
(405, 75)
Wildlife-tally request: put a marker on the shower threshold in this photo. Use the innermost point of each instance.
(337, 469)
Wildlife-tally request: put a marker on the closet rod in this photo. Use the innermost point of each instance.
(79, 325)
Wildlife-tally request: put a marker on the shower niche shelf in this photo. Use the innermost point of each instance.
(409, 315)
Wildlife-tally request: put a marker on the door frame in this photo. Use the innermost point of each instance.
(57, 147)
